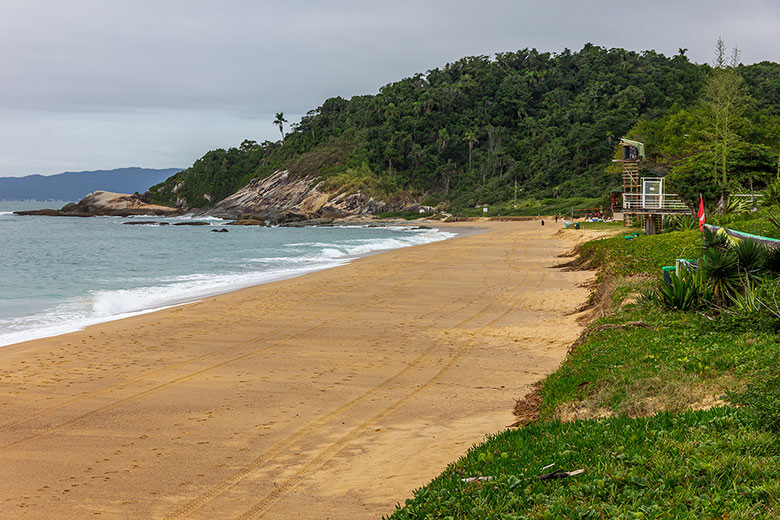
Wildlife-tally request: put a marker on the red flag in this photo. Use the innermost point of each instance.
(701, 213)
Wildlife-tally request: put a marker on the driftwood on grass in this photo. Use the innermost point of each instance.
(559, 473)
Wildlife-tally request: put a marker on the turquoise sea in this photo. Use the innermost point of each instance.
(60, 274)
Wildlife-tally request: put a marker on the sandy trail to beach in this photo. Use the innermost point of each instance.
(331, 395)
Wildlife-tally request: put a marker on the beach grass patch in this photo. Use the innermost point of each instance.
(705, 465)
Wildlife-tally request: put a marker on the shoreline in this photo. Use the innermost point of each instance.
(333, 394)
(258, 278)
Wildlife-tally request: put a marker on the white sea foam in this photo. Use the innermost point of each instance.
(167, 291)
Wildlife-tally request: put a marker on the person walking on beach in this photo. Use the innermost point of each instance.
(543, 222)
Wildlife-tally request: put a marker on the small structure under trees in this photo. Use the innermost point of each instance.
(645, 196)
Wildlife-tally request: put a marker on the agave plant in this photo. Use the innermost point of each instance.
(736, 206)
(751, 257)
(747, 300)
(687, 292)
(682, 223)
(774, 220)
(721, 269)
(713, 240)
(772, 194)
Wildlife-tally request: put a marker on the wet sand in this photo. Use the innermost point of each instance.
(331, 395)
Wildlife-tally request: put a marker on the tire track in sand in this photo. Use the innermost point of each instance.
(186, 377)
(331, 451)
(284, 445)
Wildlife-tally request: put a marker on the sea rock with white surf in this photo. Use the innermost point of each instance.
(283, 199)
(107, 203)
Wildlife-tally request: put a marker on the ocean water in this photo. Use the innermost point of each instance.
(60, 274)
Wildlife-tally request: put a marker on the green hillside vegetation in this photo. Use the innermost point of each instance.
(465, 133)
(670, 404)
(727, 142)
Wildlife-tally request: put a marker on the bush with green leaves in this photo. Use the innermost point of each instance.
(686, 292)
(682, 223)
(721, 269)
(713, 240)
(772, 194)
(751, 257)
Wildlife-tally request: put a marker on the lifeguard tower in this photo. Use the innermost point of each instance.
(645, 196)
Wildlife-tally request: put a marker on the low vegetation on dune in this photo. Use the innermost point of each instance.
(671, 411)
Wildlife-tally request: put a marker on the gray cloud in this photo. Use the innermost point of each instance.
(102, 83)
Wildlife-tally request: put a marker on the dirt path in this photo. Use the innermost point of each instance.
(332, 395)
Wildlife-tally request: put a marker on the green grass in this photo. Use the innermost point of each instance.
(642, 255)
(755, 223)
(698, 465)
(677, 360)
(639, 462)
(530, 207)
(406, 215)
(616, 225)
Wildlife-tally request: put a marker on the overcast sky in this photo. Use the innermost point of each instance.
(112, 83)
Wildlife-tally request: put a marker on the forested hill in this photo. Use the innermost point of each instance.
(466, 132)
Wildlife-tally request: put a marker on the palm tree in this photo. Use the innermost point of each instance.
(280, 121)
(471, 137)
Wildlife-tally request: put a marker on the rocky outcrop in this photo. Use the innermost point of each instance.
(281, 199)
(106, 203)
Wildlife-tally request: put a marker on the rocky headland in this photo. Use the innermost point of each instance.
(282, 199)
(278, 199)
(106, 203)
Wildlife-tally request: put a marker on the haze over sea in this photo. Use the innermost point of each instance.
(60, 274)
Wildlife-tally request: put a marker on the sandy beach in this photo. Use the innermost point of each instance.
(331, 395)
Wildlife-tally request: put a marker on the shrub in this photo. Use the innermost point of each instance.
(713, 240)
(685, 293)
(772, 194)
(682, 223)
(721, 269)
(751, 257)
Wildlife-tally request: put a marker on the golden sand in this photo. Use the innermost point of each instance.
(331, 395)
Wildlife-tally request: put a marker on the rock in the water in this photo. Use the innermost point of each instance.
(246, 222)
(308, 222)
(221, 230)
(106, 203)
(195, 223)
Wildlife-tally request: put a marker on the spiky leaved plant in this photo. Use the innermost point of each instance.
(682, 223)
(713, 240)
(721, 270)
(686, 292)
(751, 256)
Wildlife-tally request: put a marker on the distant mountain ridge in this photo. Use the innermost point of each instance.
(73, 186)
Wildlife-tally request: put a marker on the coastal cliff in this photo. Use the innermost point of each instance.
(107, 203)
(281, 199)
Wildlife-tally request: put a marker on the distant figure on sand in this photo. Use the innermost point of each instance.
(556, 218)
(543, 222)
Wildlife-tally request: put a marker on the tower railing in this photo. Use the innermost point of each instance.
(646, 201)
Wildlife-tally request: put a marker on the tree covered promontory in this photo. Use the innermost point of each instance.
(467, 132)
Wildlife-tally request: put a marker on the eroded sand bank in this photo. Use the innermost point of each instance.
(332, 395)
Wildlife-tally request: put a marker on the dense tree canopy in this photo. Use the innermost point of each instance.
(466, 132)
